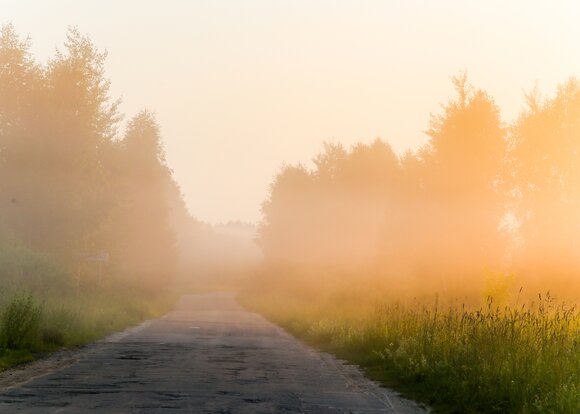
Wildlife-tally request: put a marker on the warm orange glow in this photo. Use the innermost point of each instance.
(240, 87)
(480, 210)
(440, 251)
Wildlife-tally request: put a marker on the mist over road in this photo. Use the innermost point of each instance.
(209, 355)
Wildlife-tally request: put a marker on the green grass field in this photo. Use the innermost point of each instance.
(510, 359)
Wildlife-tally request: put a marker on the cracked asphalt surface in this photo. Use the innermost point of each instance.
(208, 355)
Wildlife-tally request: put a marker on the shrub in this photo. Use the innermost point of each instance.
(20, 322)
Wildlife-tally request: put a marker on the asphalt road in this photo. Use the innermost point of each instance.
(207, 356)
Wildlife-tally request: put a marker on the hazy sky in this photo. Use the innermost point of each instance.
(242, 86)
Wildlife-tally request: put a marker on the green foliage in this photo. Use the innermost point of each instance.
(510, 359)
(53, 312)
(28, 328)
(74, 321)
(20, 322)
(12, 357)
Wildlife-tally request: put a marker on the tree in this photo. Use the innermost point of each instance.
(145, 241)
(80, 127)
(332, 215)
(68, 185)
(451, 204)
(544, 161)
(286, 215)
(57, 127)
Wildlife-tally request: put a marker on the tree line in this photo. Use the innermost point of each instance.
(73, 184)
(480, 200)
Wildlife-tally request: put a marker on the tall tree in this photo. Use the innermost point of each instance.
(286, 213)
(81, 126)
(463, 160)
(59, 122)
(145, 239)
(21, 85)
(545, 172)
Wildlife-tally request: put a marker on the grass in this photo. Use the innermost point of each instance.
(510, 359)
(20, 323)
(31, 326)
(43, 310)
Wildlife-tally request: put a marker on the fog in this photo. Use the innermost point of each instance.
(239, 88)
(484, 207)
(483, 210)
(396, 183)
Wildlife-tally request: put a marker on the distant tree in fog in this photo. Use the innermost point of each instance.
(544, 171)
(462, 168)
(69, 185)
(144, 236)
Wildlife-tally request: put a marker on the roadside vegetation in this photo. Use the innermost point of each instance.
(89, 210)
(94, 233)
(410, 265)
(43, 309)
(431, 269)
(454, 358)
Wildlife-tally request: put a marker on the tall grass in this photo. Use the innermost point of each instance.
(31, 325)
(42, 309)
(19, 323)
(518, 359)
(81, 319)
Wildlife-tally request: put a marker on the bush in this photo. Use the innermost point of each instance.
(20, 322)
